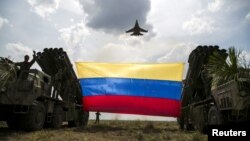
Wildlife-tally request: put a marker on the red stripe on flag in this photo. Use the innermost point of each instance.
(132, 105)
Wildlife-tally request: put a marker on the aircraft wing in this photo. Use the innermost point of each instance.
(143, 30)
(130, 30)
(136, 34)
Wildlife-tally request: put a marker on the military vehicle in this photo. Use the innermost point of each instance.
(46, 98)
(203, 105)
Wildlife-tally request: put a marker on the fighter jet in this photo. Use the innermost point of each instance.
(136, 30)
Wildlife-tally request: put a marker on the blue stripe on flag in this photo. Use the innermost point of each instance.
(131, 87)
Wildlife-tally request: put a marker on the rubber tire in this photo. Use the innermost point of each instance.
(188, 127)
(75, 122)
(85, 119)
(81, 119)
(35, 118)
(214, 116)
(57, 118)
(201, 127)
(181, 122)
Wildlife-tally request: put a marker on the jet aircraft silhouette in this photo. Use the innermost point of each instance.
(136, 30)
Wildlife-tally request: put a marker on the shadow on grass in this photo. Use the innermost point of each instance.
(130, 126)
(5, 132)
(98, 128)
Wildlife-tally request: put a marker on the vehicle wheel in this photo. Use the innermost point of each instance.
(81, 119)
(200, 126)
(199, 122)
(35, 119)
(57, 118)
(85, 118)
(214, 116)
(187, 126)
(181, 122)
(75, 122)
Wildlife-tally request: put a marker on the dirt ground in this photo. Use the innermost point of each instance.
(107, 131)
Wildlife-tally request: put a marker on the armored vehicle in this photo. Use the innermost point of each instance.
(202, 104)
(46, 98)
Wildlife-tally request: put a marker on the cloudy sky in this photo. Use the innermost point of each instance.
(94, 30)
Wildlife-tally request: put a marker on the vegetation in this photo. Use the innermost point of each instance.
(7, 71)
(224, 68)
(108, 131)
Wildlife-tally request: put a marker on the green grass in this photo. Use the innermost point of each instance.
(107, 131)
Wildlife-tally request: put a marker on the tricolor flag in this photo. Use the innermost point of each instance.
(146, 89)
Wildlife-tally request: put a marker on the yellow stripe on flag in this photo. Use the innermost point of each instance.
(171, 72)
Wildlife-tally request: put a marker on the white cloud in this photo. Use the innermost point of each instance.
(199, 25)
(3, 21)
(245, 56)
(121, 53)
(215, 5)
(178, 53)
(44, 7)
(18, 50)
(248, 17)
(124, 49)
(131, 40)
(112, 16)
(72, 6)
(74, 35)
